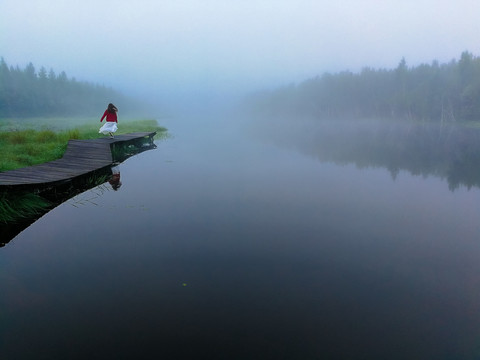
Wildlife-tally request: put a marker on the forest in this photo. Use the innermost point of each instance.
(28, 93)
(434, 92)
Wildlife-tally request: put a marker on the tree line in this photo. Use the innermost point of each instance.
(28, 93)
(434, 92)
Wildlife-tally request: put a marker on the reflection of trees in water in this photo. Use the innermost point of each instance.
(449, 152)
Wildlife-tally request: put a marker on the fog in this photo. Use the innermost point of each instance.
(180, 52)
(313, 226)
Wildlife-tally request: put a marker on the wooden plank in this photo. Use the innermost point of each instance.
(81, 157)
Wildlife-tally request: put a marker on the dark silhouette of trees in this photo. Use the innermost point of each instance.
(433, 92)
(28, 93)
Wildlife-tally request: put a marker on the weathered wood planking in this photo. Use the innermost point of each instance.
(80, 158)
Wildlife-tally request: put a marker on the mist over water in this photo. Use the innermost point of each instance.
(228, 241)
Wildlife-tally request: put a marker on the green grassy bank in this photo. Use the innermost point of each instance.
(30, 142)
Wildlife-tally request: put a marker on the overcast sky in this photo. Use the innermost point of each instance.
(162, 47)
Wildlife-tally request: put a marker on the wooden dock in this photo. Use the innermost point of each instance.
(80, 158)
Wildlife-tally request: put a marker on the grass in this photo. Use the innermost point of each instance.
(23, 146)
(16, 206)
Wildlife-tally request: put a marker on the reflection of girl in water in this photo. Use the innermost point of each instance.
(115, 179)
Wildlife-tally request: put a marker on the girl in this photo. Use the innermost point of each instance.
(110, 125)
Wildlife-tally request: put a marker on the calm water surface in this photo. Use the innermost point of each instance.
(219, 246)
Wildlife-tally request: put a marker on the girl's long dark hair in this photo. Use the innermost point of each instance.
(111, 108)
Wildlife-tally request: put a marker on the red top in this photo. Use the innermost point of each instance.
(111, 117)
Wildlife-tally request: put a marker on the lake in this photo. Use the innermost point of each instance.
(225, 243)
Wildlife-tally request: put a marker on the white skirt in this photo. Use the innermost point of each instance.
(108, 127)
